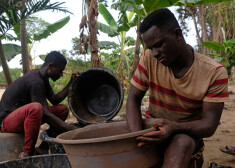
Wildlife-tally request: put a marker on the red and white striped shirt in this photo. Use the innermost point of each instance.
(181, 99)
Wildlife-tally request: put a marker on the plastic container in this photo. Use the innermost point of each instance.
(95, 96)
(108, 145)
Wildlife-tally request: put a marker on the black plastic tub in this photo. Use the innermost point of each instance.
(95, 96)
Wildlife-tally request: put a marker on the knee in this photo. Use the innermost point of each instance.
(65, 109)
(184, 143)
(36, 109)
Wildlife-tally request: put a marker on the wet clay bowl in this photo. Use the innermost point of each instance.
(108, 145)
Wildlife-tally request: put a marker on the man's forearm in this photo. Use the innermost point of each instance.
(55, 122)
(198, 128)
(59, 97)
(133, 112)
(133, 116)
(206, 126)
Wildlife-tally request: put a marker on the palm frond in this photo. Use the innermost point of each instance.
(12, 12)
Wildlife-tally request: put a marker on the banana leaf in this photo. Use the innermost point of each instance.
(11, 50)
(107, 45)
(52, 28)
(107, 16)
(151, 5)
(213, 45)
(137, 8)
(11, 15)
(123, 23)
(107, 30)
(198, 2)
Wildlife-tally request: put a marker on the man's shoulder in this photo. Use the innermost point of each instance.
(34, 76)
(146, 54)
(147, 58)
(207, 62)
(33, 72)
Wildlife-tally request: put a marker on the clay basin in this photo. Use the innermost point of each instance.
(108, 145)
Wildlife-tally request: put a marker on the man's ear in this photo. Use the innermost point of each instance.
(178, 34)
(48, 67)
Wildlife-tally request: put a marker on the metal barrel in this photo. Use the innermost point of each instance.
(41, 161)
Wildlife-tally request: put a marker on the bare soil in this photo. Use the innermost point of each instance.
(224, 135)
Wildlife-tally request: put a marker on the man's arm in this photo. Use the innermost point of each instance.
(37, 95)
(60, 96)
(133, 112)
(54, 121)
(204, 127)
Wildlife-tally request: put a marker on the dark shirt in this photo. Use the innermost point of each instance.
(26, 89)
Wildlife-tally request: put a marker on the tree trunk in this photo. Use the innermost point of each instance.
(137, 53)
(4, 65)
(24, 47)
(204, 30)
(92, 22)
(193, 15)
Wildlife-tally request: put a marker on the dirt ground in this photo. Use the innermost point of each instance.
(224, 135)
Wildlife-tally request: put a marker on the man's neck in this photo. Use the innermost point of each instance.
(43, 73)
(184, 63)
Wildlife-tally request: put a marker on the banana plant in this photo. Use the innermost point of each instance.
(143, 7)
(118, 29)
(225, 52)
(150, 5)
(10, 15)
(11, 50)
(38, 29)
(7, 51)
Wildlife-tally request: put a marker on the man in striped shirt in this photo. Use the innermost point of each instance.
(187, 90)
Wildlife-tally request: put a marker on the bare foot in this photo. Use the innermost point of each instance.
(40, 151)
(23, 155)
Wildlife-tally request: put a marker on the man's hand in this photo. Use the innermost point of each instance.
(164, 128)
(74, 76)
(71, 127)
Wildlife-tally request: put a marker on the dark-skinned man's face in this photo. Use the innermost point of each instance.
(56, 72)
(163, 44)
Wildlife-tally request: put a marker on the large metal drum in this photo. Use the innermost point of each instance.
(41, 161)
(10, 146)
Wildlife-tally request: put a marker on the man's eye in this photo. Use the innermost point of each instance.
(158, 45)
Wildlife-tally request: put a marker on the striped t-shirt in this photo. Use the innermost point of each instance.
(181, 99)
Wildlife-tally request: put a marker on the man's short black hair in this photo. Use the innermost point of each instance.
(162, 18)
(56, 59)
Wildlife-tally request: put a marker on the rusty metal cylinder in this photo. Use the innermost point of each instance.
(40, 161)
(95, 96)
(10, 146)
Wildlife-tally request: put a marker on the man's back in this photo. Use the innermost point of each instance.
(20, 92)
